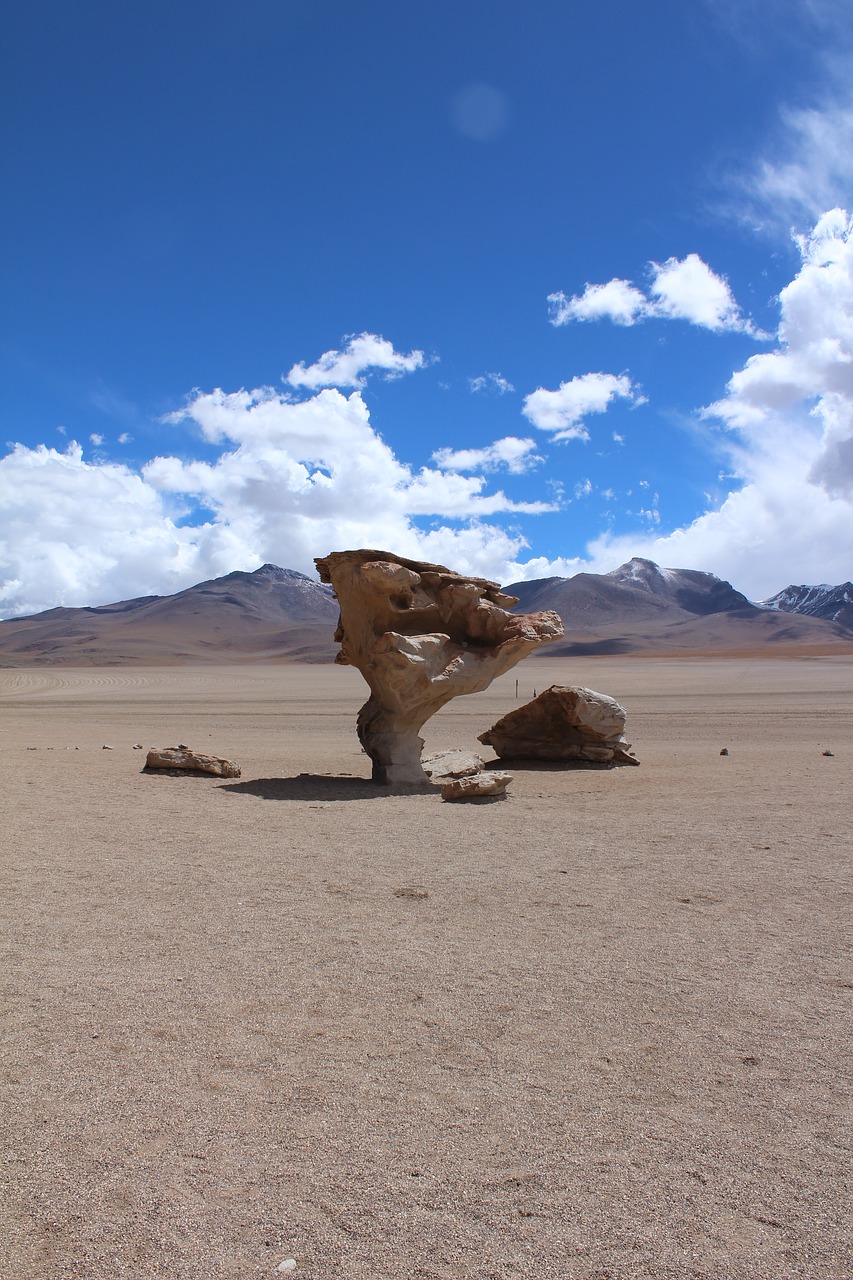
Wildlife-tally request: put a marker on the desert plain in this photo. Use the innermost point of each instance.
(599, 1029)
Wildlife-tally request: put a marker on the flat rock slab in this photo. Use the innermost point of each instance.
(452, 764)
(479, 786)
(185, 760)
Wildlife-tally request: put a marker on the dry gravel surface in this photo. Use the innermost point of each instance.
(293, 1023)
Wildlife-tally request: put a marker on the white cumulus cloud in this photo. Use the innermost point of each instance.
(688, 289)
(679, 289)
(562, 412)
(79, 533)
(617, 300)
(512, 453)
(347, 368)
(284, 479)
(291, 480)
(789, 419)
(806, 384)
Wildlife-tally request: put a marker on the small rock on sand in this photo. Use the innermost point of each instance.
(479, 786)
(452, 764)
(181, 758)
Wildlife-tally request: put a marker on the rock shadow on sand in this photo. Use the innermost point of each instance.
(526, 765)
(309, 786)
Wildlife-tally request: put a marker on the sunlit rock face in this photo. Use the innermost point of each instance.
(421, 635)
(566, 722)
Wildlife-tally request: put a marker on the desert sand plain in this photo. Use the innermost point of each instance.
(600, 1029)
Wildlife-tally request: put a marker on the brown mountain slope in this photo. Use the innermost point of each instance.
(278, 615)
(643, 609)
(270, 615)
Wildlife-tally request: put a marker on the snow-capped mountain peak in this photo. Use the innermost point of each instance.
(824, 601)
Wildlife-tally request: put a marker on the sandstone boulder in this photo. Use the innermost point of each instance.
(420, 635)
(182, 758)
(563, 723)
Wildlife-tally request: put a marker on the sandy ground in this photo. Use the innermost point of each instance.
(599, 1029)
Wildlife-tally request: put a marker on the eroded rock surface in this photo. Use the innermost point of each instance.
(421, 635)
(478, 786)
(190, 761)
(564, 723)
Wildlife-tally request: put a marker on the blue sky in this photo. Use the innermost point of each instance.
(521, 289)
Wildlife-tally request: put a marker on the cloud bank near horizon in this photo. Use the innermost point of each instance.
(294, 478)
(788, 418)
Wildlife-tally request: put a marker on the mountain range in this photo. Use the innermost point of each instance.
(279, 615)
(642, 608)
(271, 615)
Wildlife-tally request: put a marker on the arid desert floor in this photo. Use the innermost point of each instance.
(599, 1029)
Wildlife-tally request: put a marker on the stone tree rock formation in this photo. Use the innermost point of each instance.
(564, 723)
(420, 635)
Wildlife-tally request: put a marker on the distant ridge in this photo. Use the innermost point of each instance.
(270, 615)
(833, 603)
(279, 615)
(644, 609)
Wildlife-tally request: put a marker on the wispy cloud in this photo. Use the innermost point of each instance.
(495, 382)
(114, 404)
(808, 167)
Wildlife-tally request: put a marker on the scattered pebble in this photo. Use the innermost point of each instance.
(107, 747)
(289, 1264)
(725, 751)
(137, 746)
(32, 748)
(828, 753)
